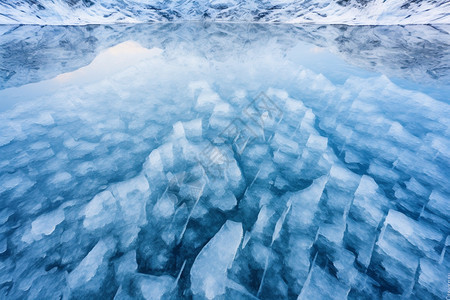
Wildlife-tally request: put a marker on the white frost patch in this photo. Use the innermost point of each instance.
(90, 266)
(209, 271)
(44, 119)
(165, 207)
(44, 225)
(100, 211)
(155, 287)
(317, 142)
(193, 128)
(62, 177)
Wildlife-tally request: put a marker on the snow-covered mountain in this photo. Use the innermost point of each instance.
(291, 11)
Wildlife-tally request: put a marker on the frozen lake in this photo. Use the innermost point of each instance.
(224, 161)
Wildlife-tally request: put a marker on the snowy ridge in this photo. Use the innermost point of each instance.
(71, 12)
(337, 196)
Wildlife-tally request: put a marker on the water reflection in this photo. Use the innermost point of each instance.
(34, 53)
(108, 62)
(415, 57)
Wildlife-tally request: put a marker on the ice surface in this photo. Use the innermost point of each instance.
(126, 266)
(320, 285)
(3, 246)
(224, 201)
(209, 271)
(44, 225)
(93, 269)
(164, 177)
(430, 277)
(94, 216)
(165, 207)
(155, 287)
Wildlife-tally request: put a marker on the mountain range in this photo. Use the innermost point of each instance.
(353, 12)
